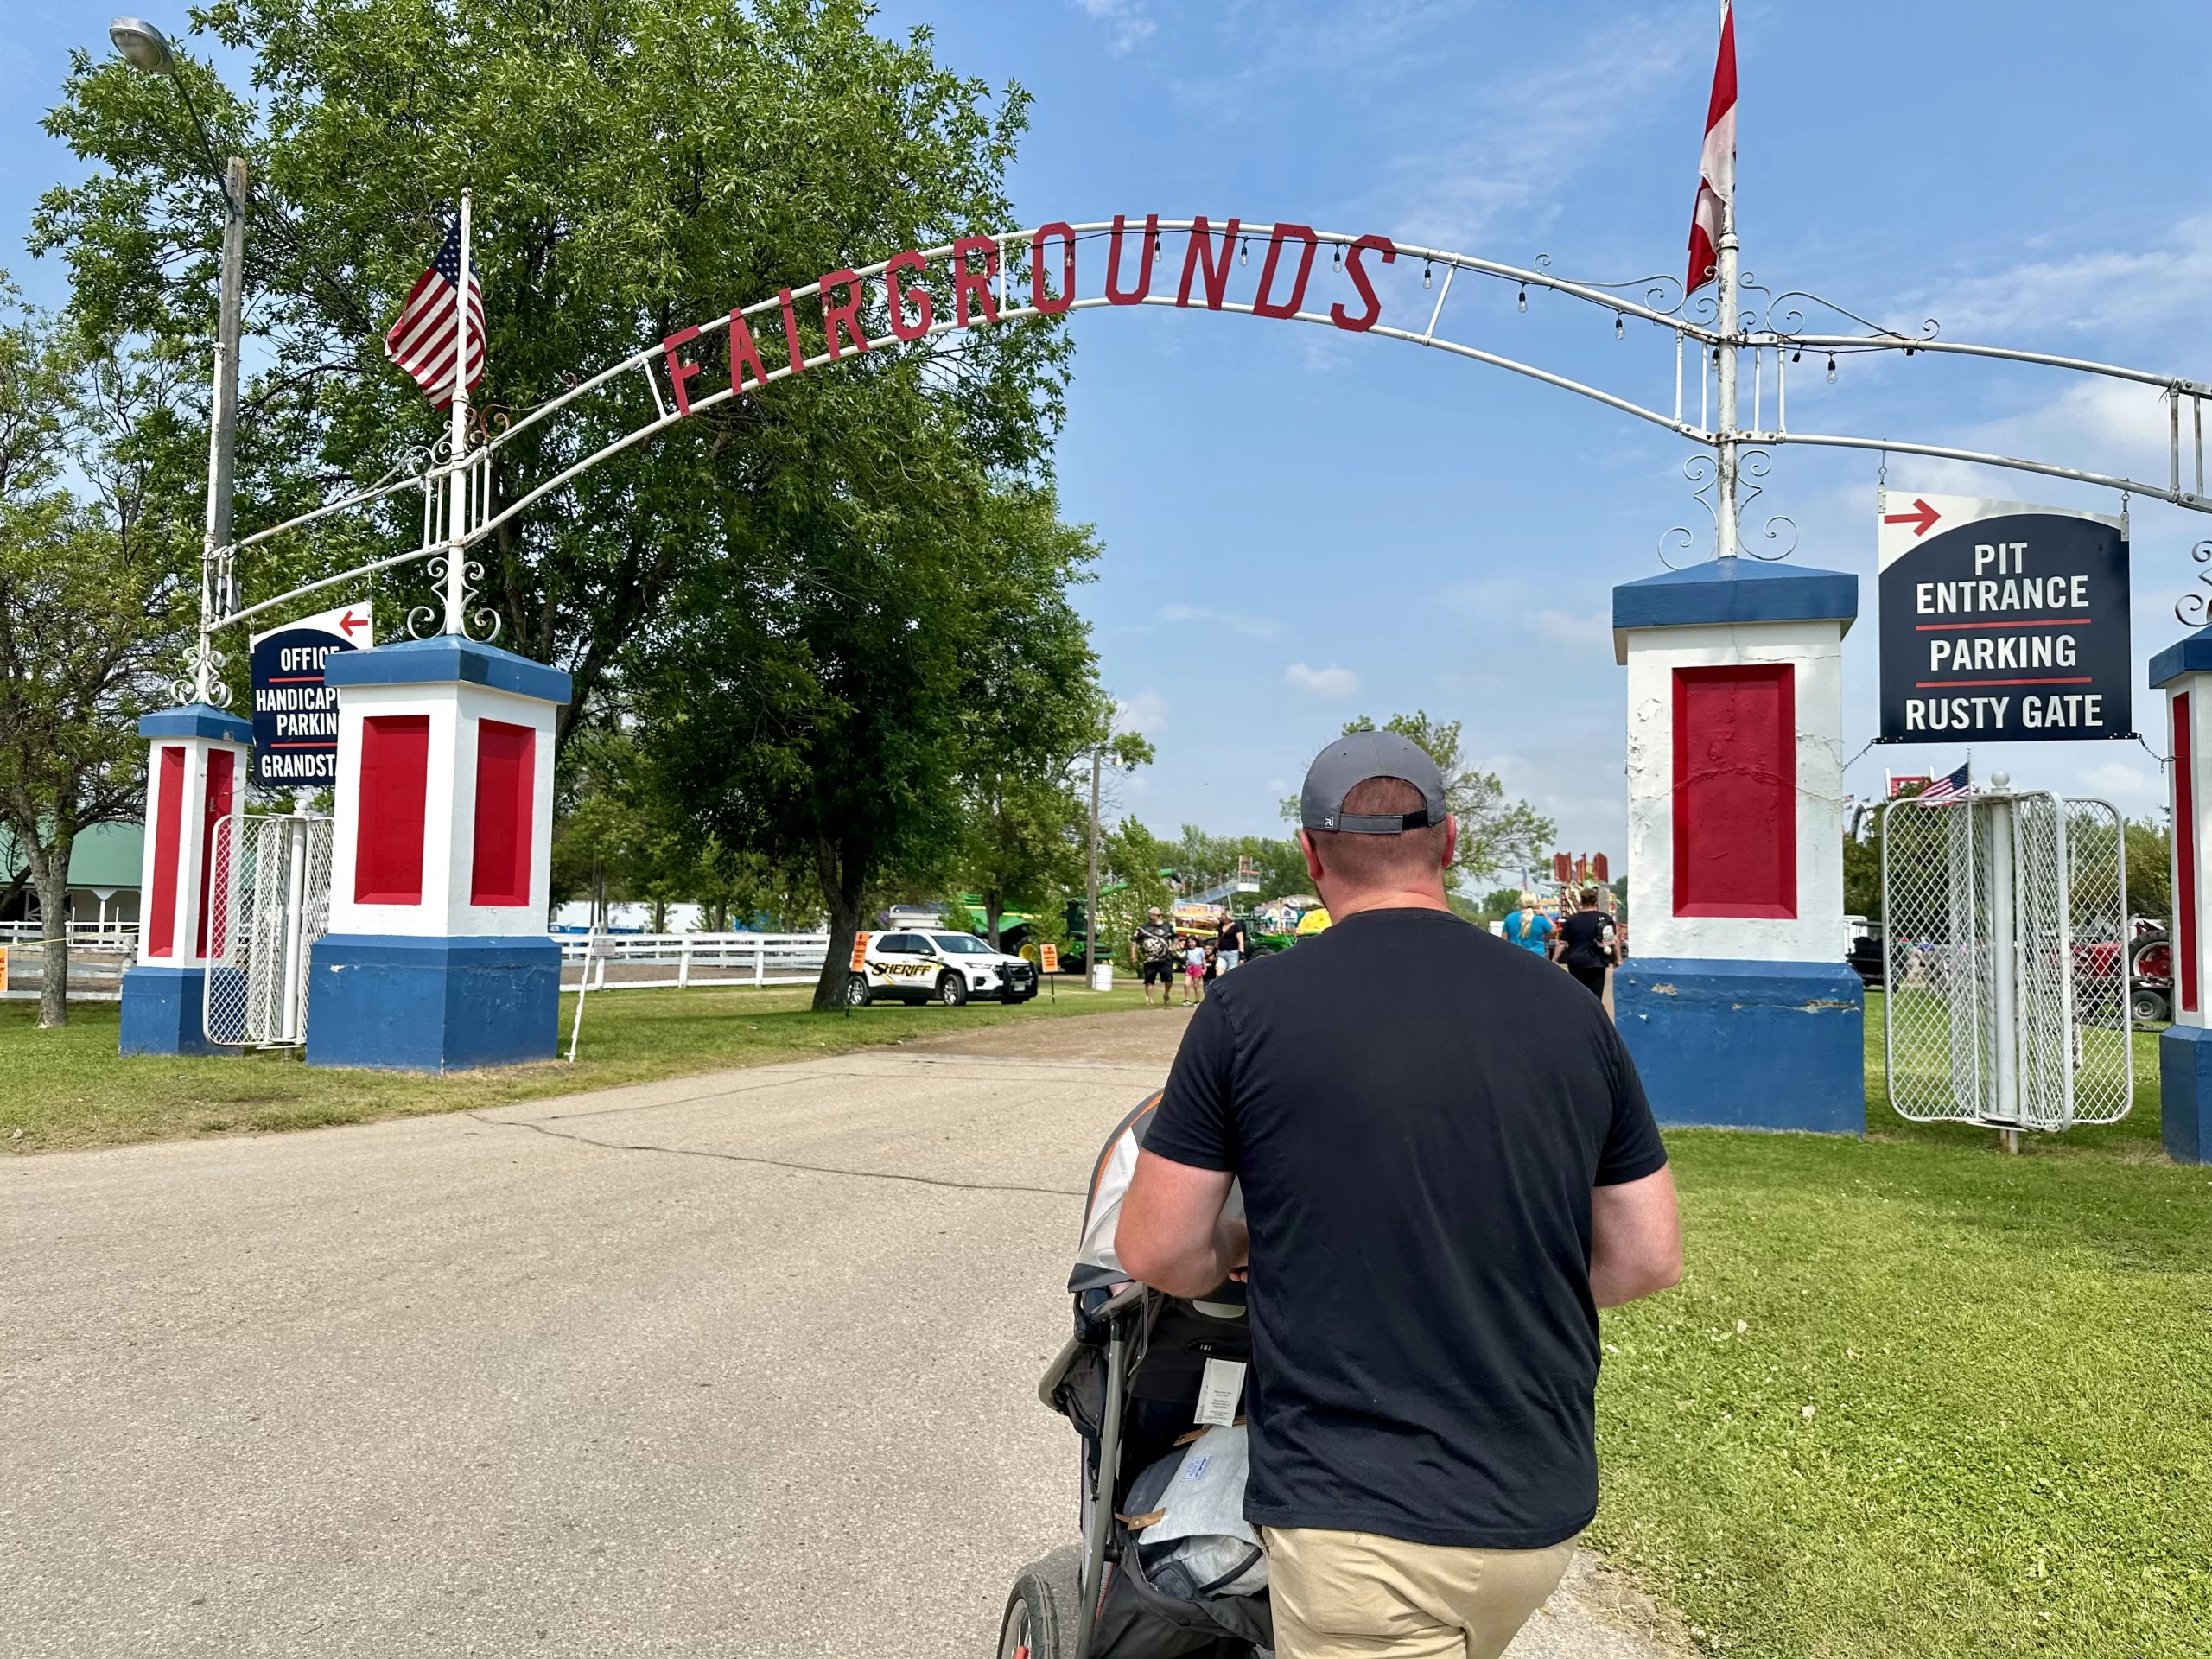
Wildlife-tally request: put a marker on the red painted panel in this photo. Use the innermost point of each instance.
(507, 779)
(169, 850)
(387, 838)
(222, 764)
(2185, 850)
(1736, 790)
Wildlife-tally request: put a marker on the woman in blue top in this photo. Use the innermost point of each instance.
(1528, 927)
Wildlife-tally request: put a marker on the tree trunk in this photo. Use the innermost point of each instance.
(50, 879)
(992, 911)
(842, 884)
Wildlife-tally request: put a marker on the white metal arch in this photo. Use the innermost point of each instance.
(1773, 335)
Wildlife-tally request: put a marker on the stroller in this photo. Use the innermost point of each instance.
(1130, 1381)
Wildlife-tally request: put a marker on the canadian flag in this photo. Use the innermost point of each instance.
(1716, 165)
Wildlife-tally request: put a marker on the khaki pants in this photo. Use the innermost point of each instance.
(1359, 1595)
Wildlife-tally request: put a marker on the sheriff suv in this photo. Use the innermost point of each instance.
(947, 967)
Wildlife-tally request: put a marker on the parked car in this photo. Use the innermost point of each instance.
(947, 967)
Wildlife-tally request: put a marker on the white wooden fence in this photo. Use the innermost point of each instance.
(629, 961)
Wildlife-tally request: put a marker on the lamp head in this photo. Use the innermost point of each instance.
(142, 46)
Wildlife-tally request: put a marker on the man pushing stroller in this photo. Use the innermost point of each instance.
(1447, 1165)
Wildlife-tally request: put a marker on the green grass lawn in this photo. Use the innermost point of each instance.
(2008, 1366)
(69, 1088)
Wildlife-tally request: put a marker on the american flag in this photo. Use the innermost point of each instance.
(1716, 165)
(1944, 789)
(421, 341)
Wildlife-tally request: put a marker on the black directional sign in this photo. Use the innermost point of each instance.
(2001, 622)
(295, 713)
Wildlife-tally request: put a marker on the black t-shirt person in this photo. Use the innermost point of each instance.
(1583, 940)
(1417, 1112)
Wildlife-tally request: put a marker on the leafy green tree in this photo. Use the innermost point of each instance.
(93, 598)
(1498, 901)
(830, 711)
(1130, 861)
(2150, 869)
(637, 165)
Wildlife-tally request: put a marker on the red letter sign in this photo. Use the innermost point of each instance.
(1365, 320)
(907, 261)
(1046, 304)
(845, 316)
(1202, 249)
(966, 281)
(679, 370)
(743, 354)
(1114, 294)
(1261, 305)
(790, 329)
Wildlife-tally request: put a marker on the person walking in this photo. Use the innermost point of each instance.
(1528, 927)
(1152, 951)
(1194, 969)
(1584, 944)
(1447, 1165)
(1229, 945)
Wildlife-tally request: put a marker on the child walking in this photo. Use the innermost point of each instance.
(1194, 970)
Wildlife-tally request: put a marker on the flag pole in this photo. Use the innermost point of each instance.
(456, 596)
(1725, 524)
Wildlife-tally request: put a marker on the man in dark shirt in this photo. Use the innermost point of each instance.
(1152, 950)
(1448, 1165)
(1585, 944)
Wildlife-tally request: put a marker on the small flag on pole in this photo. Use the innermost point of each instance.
(1716, 164)
(423, 341)
(1944, 789)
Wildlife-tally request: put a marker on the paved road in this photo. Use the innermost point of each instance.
(736, 1365)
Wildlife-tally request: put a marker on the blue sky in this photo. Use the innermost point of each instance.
(1301, 526)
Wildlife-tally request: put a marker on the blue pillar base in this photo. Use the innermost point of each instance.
(397, 1004)
(161, 1012)
(2185, 1093)
(1747, 1045)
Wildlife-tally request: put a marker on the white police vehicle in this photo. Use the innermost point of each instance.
(915, 966)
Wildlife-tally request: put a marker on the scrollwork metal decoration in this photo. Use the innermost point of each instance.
(2193, 600)
(481, 624)
(1774, 536)
(203, 664)
(1686, 543)
(1662, 293)
(1786, 321)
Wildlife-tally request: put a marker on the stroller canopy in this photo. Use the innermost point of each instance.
(1095, 1264)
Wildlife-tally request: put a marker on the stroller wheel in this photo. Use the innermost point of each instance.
(1031, 1626)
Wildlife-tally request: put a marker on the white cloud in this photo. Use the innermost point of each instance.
(1145, 712)
(1329, 682)
(1256, 627)
(1574, 628)
(2106, 288)
(1532, 132)
(1125, 20)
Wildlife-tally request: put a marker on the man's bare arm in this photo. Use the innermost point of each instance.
(1171, 1234)
(1636, 1239)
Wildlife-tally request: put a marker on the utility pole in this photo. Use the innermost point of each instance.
(217, 590)
(1090, 899)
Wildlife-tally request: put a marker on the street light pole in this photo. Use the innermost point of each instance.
(1091, 897)
(146, 50)
(216, 586)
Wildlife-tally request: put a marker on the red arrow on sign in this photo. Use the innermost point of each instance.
(348, 622)
(1923, 517)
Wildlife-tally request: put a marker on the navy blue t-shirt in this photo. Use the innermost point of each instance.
(1418, 1112)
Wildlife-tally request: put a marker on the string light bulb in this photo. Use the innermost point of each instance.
(1620, 330)
(1244, 252)
(1831, 368)
(1427, 276)
(1797, 356)
(1336, 257)
(1525, 299)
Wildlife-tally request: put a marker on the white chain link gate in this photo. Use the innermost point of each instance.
(268, 902)
(2005, 961)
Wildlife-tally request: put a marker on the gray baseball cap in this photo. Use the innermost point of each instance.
(1351, 762)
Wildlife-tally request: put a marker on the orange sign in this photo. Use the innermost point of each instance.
(1051, 957)
(3, 967)
(860, 951)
